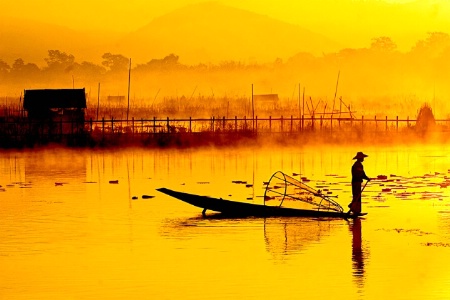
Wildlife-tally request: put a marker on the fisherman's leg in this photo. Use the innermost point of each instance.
(355, 206)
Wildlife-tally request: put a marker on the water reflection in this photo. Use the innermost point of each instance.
(187, 228)
(162, 248)
(282, 236)
(358, 253)
(286, 236)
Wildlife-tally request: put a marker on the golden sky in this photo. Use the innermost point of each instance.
(129, 15)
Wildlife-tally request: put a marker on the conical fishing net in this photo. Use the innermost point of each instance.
(283, 190)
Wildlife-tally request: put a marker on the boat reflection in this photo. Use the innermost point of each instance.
(186, 228)
(282, 236)
(286, 236)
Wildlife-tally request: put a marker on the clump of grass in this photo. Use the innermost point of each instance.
(425, 118)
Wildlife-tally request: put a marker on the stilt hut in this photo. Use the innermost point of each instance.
(55, 113)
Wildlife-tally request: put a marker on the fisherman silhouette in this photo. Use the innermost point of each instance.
(358, 175)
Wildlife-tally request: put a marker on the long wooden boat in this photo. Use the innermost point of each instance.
(235, 208)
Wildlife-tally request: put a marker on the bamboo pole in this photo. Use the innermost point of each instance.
(335, 91)
(253, 111)
(98, 99)
(129, 80)
(299, 108)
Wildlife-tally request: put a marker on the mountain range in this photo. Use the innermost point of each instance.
(212, 32)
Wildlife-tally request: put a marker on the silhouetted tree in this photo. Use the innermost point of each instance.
(169, 62)
(89, 69)
(231, 65)
(433, 45)
(4, 69)
(278, 61)
(115, 62)
(19, 68)
(59, 61)
(383, 43)
(18, 65)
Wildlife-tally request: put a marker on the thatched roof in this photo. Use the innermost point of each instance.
(54, 98)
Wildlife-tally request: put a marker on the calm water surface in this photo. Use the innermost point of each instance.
(68, 231)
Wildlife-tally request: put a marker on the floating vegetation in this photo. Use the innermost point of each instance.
(440, 244)
(417, 232)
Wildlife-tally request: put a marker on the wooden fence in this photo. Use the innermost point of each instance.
(259, 125)
(22, 131)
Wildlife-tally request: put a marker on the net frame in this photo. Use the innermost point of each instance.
(293, 189)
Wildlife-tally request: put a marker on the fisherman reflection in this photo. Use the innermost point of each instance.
(358, 254)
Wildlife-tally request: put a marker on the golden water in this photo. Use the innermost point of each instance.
(66, 232)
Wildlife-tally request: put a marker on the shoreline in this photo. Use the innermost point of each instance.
(229, 139)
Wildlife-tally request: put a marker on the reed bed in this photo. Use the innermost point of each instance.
(218, 121)
(191, 132)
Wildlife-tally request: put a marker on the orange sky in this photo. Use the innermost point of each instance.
(129, 15)
(352, 23)
(345, 23)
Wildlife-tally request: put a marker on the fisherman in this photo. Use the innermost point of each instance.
(358, 175)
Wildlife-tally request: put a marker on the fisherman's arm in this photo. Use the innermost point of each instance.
(365, 176)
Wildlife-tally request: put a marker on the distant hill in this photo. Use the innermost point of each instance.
(211, 32)
(30, 40)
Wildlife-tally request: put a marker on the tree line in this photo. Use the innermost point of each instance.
(380, 66)
(436, 46)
